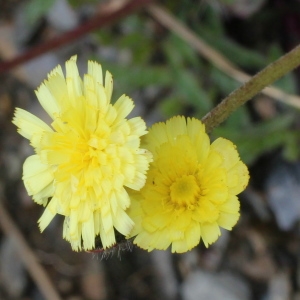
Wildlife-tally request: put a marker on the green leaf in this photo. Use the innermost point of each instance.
(291, 149)
(139, 46)
(222, 81)
(236, 53)
(76, 3)
(130, 78)
(239, 119)
(171, 106)
(174, 58)
(35, 9)
(258, 139)
(179, 52)
(287, 83)
(190, 89)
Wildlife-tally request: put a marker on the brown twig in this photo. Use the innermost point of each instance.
(27, 256)
(217, 59)
(94, 23)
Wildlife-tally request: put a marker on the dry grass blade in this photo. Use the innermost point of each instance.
(216, 58)
(26, 254)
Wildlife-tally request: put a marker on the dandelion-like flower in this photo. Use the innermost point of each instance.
(87, 158)
(190, 190)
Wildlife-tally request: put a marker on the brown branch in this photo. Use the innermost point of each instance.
(27, 256)
(73, 35)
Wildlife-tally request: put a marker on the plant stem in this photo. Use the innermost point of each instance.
(241, 95)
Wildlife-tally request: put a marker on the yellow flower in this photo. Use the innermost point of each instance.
(190, 190)
(87, 158)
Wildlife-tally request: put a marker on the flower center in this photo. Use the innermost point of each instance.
(184, 191)
(96, 142)
(93, 150)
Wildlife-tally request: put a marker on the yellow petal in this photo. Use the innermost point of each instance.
(175, 234)
(111, 115)
(53, 205)
(228, 220)
(43, 196)
(36, 175)
(74, 224)
(207, 211)
(74, 83)
(107, 235)
(156, 137)
(180, 246)
(56, 71)
(193, 235)
(197, 134)
(210, 233)
(106, 216)
(158, 221)
(88, 233)
(29, 124)
(135, 212)
(45, 219)
(142, 240)
(108, 85)
(124, 106)
(137, 126)
(122, 222)
(97, 217)
(159, 240)
(238, 178)
(47, 101)
(232, 205)
(95, 71)
(102, 99)
(50, 157)
(238, 175)
(214, 186)
(84, 211)
(176, 126)
(122, 198)
(56, 84)
(228, 152)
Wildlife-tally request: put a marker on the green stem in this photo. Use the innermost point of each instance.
(241, 95)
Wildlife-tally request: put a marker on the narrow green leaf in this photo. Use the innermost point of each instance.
(35, 9)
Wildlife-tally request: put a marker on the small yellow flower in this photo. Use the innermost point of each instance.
(87, 158)
(190, 190)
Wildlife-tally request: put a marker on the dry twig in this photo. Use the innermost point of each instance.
(73, 35)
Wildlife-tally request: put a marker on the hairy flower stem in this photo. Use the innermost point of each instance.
(241, 95)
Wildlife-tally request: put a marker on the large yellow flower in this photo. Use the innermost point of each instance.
(190, 190)
(87, 158)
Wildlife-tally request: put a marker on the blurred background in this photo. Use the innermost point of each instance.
(172, 57)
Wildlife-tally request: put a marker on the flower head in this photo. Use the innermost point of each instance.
(87, 158)
(190, 190)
